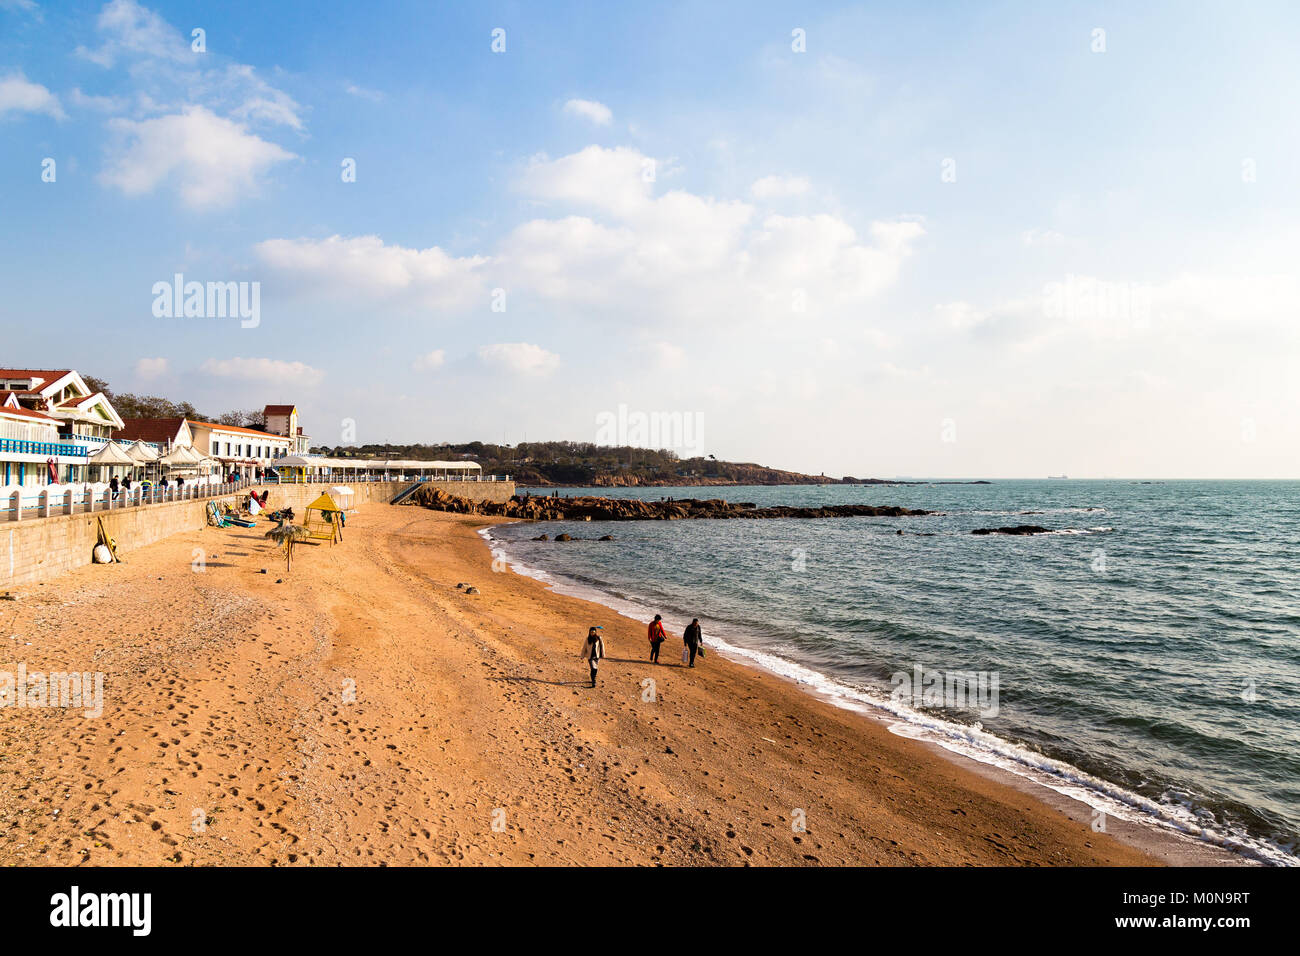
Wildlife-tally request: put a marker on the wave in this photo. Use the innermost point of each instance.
(1171, 813)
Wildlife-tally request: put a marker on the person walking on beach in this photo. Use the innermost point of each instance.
(112, 486)
(693, 638)
(657, 636)
(593, 649)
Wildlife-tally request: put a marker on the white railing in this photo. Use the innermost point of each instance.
(346, 477)
(22, 504)
(99, 440)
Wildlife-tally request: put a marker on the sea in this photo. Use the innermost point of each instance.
(1143, 656)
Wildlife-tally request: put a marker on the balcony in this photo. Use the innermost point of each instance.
(45, 449)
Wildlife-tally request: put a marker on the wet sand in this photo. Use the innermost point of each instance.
(360, 709)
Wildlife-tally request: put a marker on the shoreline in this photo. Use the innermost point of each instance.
(1162, 839)
(361, 709)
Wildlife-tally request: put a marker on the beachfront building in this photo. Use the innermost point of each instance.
(319, 467)
(283, 420)
(244, 451)
(31, 451)
(84, 421)
(83, 415)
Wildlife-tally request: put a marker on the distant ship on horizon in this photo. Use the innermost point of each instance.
(1058, 477)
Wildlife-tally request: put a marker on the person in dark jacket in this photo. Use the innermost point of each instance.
(693, 638)
(593, 649)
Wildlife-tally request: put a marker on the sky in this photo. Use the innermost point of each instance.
(942, 240)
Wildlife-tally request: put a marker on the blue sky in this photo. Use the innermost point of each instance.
(943, 239)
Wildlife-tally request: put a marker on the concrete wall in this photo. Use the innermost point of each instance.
(37, 549)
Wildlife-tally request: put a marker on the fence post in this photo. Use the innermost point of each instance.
(67, 502)
(44, 502)
(16, 499)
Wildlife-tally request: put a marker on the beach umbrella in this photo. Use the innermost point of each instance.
(178, 457)
(142, 453)
(111, 454)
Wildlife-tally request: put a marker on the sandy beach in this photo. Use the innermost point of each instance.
(360, 709)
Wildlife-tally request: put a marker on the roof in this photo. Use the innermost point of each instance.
(320, 461)
(240, 429)
(27, 413)
(160, 431)
(47, 376)
(76, 402)
(278, 410)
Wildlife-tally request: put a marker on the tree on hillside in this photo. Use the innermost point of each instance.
(249, 418)
(97, 385)
(129, 405)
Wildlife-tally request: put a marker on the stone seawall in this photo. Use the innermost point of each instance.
(38, 549)
(496, 492)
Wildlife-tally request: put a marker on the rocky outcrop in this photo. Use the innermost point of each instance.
(590, 508)
(1017, 529)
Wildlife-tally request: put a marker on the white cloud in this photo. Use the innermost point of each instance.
(364, 266)
(665, 355)
(18, 95)
(252, 99)
(654, 259)
(263, 370)
(430, 361)
(519, 357)
(102, 104)
(192, 118)
(130, 29)
(616, 180)
(683, 256)
(1041, 237)
(151, 367)
(210, 160)
(375, 96)
(779, 187)
(598, 113)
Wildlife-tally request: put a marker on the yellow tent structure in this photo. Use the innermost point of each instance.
(324, 520)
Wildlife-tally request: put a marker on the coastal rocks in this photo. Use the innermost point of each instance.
(607, 537)
(590, 508)
(542, 537)
(563, 537)
(1017, 529)
(471, 590)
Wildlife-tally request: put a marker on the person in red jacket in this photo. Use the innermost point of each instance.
(657, 637)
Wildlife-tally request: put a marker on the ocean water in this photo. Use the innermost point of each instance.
(1146, 656)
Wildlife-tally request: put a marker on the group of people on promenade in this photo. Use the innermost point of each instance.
(593, 649)
(124, 485)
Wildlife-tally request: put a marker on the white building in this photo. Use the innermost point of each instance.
(29, 443)
(36, 400)
(243, 450)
